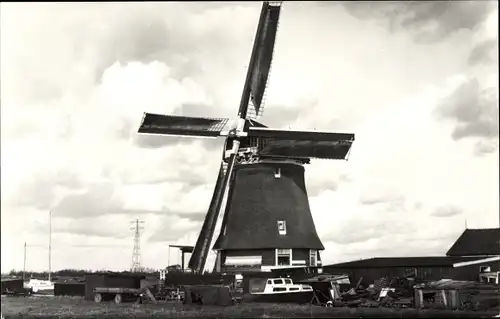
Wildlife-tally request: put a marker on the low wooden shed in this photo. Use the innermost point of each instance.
(452, 294)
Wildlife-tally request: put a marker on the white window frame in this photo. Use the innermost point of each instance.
(483, 269)
(282, 230)
(313, 253)
(277, 173)
(289, 254)
(243, 261)
(486, 277)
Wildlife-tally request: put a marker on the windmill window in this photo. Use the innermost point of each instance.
(282, 227)
(277, 172)
(313, 257)
(284, 257)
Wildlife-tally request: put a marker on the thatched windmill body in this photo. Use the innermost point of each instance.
(260, 189)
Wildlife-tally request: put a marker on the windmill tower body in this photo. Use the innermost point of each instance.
(266, 223)
(269, 224)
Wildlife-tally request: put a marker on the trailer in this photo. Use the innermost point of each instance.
(118, 294)
(15, 287)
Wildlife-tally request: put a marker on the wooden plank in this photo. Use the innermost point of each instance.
(358, 283)
(419, 301)
(150, 295)
(443, 295)
(315, 299)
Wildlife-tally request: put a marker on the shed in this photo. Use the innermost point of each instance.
(180, 279)
(454, 294)
(69, 289)
(184, 250)
(12, 285)
(421, 268)
(207, 295)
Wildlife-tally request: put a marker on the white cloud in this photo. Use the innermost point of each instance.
(73, 94)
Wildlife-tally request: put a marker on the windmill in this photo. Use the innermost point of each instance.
(267, 221)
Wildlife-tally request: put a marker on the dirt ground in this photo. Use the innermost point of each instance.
(75, 307)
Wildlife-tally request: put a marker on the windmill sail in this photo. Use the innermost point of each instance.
(260, 60)
(182, 125)
(302, 144)
(202, 247)
(306, 149)
(196, 262)
(264, 54)
(255, 85)
(299, 135)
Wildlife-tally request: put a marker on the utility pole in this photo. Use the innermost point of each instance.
(168, 256)
(50, 243)
(24, 266)
(136, 254)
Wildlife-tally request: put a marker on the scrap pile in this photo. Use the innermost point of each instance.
(185, 287)
(402, 292)
(385, 292)
(325, 286)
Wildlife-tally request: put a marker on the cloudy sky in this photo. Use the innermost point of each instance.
(416, 82)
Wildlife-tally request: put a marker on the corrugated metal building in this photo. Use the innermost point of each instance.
(422, 268)
(476, 252)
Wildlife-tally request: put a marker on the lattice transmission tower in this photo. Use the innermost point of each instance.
(136, 254)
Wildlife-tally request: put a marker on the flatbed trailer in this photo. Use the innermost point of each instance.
(26, 291)
(117, 294)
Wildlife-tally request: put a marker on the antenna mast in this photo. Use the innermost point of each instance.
(24, 266)
(50, 244)
(136, 254)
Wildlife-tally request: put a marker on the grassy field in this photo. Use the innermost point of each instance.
(72, 307)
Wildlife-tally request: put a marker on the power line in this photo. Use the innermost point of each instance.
(89, 246)
(65, 246)
(35, 245)
(136, 253)
(77, 246)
